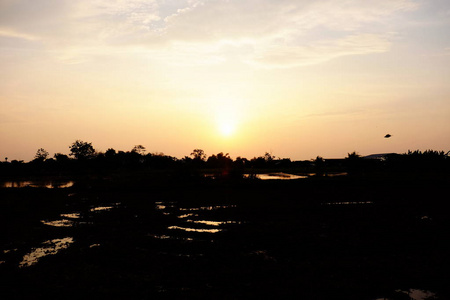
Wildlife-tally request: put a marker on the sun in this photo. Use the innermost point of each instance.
(226, 113)
(226, 128)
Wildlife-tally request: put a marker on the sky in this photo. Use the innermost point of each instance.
(297, 79)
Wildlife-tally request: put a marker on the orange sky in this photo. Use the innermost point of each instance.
(294, 78)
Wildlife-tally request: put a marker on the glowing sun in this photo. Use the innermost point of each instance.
(227, 115)
(226, 128)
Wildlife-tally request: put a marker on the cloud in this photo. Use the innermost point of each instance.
(5, 32)
(281, 56)
(262, 33)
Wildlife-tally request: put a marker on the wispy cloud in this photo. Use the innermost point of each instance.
(4, 32)
(282, 56)
(262, 33)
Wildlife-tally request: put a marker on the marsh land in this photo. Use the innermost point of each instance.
(156, 237)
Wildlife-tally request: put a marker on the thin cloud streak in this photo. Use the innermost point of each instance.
(267, 34)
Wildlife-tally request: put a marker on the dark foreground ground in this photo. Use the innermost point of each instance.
(317, 238)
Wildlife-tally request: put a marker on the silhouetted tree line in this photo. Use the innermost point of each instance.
(412, 161)
(83, 158)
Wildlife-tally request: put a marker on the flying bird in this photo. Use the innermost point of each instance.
(387, 136)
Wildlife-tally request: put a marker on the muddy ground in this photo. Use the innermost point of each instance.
(315, 238)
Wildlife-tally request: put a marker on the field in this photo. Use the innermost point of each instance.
(150, 238)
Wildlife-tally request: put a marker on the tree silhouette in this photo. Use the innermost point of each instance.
(268, 157)
(110, 152)
(82, 150)
(319, 164)
(139, 149)
(198, 154)
(41, 155)
(354, 162)
(219, 161)
(60, 157)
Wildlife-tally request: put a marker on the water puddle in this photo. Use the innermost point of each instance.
(263, 254)
(187, 216)
(182, 255)
(212, 207)
(336, 174)
(71, 216)
(415, 294)
(104, 208)
(164, 206)
(348, 203)
(71, 219)
(58, 223)
(8, 251)
(160, 207)
(277, 176)
(203, 230)
(169, 237)
(60, 185)
(213, 223)
(37, 184)
(50, 247)
(15, 184)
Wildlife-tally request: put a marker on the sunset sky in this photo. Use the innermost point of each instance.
(294, 78)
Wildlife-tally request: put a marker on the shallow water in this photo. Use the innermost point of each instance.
(347, 203)
(212, 207)
(186, 216)
(183, 216)
(71, 215)
(195, 229)
(58, 223)
(37, 184)
(104, 208)
(50, 247)
(213, 223)
(170, 237)
(204, 226)
(101, 208)
(415, 294)
(288, 176)
(277, 176)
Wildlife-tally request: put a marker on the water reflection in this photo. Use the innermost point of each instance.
(347, 203)
(8, 251)
(15, 184)
(212, 207)
(160, 207)
(336, 174)
(213, 223)
(288, 176)
(104, 208)
(170, 237)
(71, 216)
(195, 229)
(58, 223)
(37, 184)
(277, 176)
(187, 216)
(50, 247)
(415, 294)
